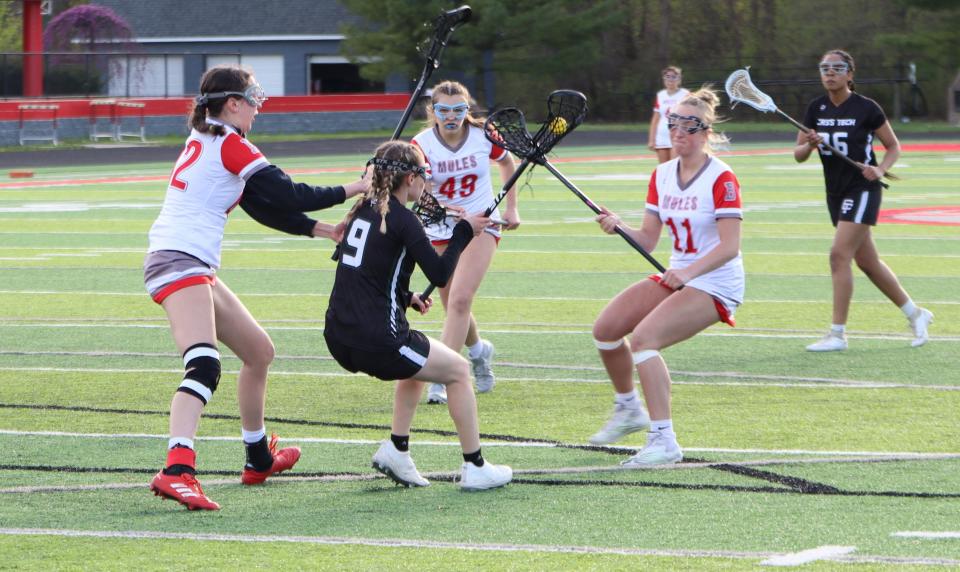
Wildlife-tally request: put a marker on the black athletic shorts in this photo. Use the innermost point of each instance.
(401, 363)
(860, 205)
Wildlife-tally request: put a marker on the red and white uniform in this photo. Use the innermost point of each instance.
(664, 103)
(690, 214)
(206, 184)
(461, 176)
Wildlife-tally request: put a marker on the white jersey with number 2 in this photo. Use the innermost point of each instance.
(461, 175)
(690, 212)
(205, 186)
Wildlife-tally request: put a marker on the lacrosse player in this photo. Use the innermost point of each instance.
(217, 166)
(697, 197)
(366, 328)
(849, 122)
(458, 161)
(659, 138)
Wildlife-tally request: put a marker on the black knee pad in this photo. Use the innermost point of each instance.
(202, 364)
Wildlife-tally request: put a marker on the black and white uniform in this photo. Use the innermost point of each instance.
(366, 327)
(849, 128)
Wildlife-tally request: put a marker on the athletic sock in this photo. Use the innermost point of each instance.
(838, 330)
(909, 309)
(475, 350)
(259, 457)
(401, 442)
(629, 400)
(664, 427)
(476, 458)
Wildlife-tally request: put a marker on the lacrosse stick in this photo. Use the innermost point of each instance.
(567, 110)
(443, 27)
(740, 89)
(507, 128)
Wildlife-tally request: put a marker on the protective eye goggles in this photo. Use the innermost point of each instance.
(254, 95)
(459, 111)
(835, 67)
(398, 167)
(671, 76)
(689, 123)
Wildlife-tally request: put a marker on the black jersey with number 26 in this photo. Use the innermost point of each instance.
(371, 293)
(849, 128)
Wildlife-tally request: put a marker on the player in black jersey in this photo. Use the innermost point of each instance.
(366, 327)
(849, 121)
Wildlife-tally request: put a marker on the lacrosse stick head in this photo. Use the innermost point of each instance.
(507, 128)
(566, 109)
(740, 89)
(429, 210)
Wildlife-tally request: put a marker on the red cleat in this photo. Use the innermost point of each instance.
(183, 488)
(283, 460)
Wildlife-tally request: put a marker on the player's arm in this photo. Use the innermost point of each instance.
(437, 268)
(507, 168)
(652, 136)
(267, 214)
(889, 139)
(807, 139)
(647, 236)
(277, 188)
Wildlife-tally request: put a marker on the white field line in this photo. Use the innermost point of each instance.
(926, 534)
(808, 384)
(98, 251)
(87, 294)
(856, 456)
(486, 547)
(764, 380)
(449, 476)
(512, 331)
(811, 555)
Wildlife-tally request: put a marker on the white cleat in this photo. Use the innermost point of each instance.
(398, 465)
(659, 450)
(437, 393)
(919, 322)
(622, 423)
(830, 343)
(489, 476)
(482, 368)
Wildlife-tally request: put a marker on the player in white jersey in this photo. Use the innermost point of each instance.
(458, 157)
(658, 139)
(217, 170)
(697, 198)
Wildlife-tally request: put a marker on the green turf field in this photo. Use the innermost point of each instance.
(786, 451)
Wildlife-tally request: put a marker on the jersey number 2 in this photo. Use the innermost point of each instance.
(189, 156)
(690, 249)
(356, 241)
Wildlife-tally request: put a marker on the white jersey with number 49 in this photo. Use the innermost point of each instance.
(461, 175)
(205, 186)
(690, 212)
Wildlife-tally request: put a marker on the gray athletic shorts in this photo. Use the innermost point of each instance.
(166, 271)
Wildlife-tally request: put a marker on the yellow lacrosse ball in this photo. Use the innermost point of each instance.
(558, 126)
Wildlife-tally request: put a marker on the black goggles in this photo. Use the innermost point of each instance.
(689, 123)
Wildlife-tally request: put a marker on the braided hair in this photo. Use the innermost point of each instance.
(216, 79)
(391, 163)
